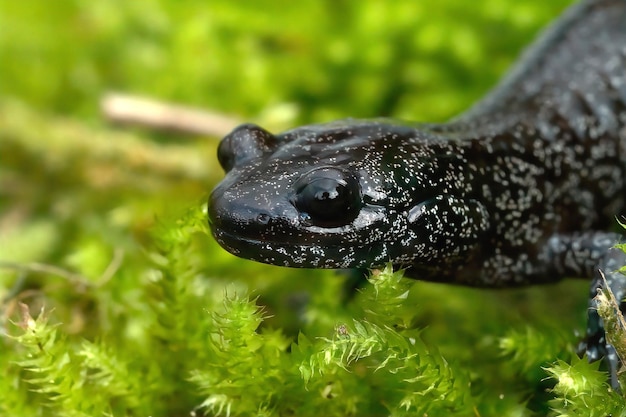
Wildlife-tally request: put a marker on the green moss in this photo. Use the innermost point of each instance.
(134, 310)
(178, 340)
(583, 390)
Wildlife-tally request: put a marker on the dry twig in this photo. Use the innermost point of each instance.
(126, 109)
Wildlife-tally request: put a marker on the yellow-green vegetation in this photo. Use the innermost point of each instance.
(116, 301)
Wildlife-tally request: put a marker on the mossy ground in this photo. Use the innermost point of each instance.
(115, 299)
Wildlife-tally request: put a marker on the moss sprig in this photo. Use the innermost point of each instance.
(582, 389)
(246, 372)
(69, 379)
(529, 348)
(385, 299)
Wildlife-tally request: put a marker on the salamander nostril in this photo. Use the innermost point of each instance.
(263, 218)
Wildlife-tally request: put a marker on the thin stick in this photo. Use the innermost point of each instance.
(46, 269)
(134, 110)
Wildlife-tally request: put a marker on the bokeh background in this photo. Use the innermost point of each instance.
(81, 197)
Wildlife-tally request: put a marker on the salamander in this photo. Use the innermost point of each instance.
(523, 188)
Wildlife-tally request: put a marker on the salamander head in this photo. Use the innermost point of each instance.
(318, 196)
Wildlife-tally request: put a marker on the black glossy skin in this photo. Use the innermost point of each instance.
(523, 188)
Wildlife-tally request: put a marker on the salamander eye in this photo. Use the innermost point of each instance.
(329, 196)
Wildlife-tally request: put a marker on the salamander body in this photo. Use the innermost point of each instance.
(523, 188)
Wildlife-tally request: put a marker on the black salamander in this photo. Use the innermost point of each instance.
(521, 189)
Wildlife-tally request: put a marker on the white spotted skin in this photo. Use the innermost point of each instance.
(478, 201)
(523, 188)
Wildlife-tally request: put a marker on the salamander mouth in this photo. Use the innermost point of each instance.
(300, 255)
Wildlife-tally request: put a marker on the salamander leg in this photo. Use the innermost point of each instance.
(595, 344)
(585, 255)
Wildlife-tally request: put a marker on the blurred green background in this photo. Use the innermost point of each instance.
(416, 59)
(79, 194)
(277, 63)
